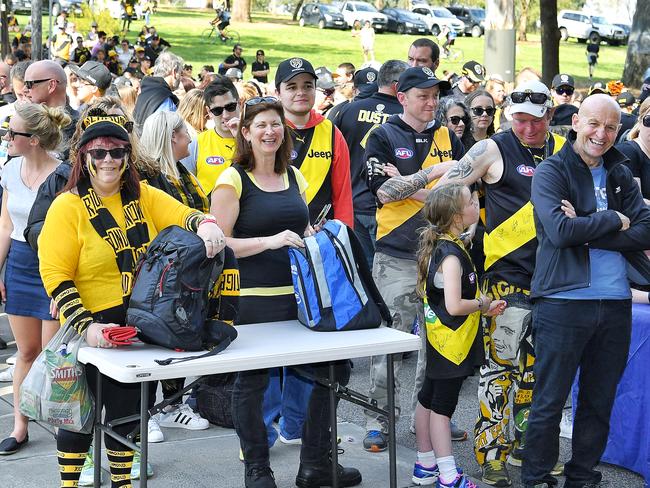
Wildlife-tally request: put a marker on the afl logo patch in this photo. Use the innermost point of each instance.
(472, 278)
(296, 63)
(427, 71)
(524, 170)
(370, 76)
(215, 160)
(403, 153)
(294, 155)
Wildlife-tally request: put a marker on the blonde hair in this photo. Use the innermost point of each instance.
(44, 122)
(156, 137)
(443, 204)
(644, 109)
(128, 96)
(192, 109)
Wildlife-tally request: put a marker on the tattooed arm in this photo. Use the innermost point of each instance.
(403, 187)
(483, 160)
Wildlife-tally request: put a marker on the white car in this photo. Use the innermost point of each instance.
(582, 26)
(437, 17)
(362, 11)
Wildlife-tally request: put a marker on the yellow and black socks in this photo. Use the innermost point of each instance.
(70, 465)
(120, 463)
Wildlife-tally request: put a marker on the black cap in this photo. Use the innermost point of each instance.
(625, 99)
(93, 72)
(474, 71)
(104, 126)
(563, 80)
(420, 77)
(155, 37)
(290, 68)
(645, 90)
(598, 87)
(324, 79)
(365, 76)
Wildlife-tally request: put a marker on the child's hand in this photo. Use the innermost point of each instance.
(497, 307)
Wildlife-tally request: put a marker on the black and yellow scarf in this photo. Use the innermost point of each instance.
(186, 190)
(127, 247)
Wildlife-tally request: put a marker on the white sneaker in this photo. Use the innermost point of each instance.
(11, 359)
(566, 424)
(87, 477)
(296, 442)
(7, 376)
(154, 432)
(183, 417)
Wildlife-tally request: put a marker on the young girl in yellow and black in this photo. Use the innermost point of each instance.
(93, 234)
(448, 283)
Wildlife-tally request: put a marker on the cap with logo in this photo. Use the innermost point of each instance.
(598, 87)
(365, 81)
(290, 68)
(563, 80)
(420, 77)
(527, 106)
(625, 99)
(474, 71)
(93, 72)
(324, 79)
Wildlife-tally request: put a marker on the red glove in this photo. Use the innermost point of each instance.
(120, 336)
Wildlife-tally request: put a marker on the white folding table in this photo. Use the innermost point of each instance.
(258, 346)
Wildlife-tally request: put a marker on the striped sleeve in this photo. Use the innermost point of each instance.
(68, 301)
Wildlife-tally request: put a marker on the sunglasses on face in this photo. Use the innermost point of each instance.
(456, 119)
(229, 107)
(564, 90)
(478, 111)
(29, 84)
(646, 120)
(536, 98)
(116, 153)
(12, 134)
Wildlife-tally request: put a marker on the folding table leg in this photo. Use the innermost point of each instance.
(333, 431)
(97, 451)
(392, 448)
(144, 432)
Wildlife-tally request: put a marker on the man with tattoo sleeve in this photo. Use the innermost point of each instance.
(506, 163)
(404, 158)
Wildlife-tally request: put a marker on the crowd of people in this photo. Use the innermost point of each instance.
(454, 183)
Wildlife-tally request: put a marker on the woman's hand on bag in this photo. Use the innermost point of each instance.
(213, 237)
(54, 310)
(284, 238)
(95, 335)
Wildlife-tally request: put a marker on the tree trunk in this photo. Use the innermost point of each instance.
(241, 11)
(500, 38)
(4, 34)
(524, 5)
(297, 9)
(37, 30)
(550, 41)
(638, 49)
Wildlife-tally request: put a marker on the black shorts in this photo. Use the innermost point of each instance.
(222, 25)
(440, 395)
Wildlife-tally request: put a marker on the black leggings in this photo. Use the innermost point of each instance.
(440, 395)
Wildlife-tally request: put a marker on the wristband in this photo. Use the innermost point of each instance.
(208, 219)
(480, 303)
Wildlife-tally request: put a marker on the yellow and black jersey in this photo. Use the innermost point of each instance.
(509, 241)
(398, 143)
(214, 154)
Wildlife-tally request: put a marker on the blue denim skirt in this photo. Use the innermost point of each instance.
(26, 295)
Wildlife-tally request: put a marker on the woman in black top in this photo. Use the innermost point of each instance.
(637, 150)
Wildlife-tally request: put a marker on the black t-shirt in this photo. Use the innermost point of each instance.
(241, 64)
(639, 164)
(256, 66)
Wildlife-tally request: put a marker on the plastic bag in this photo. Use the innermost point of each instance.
(55, 390)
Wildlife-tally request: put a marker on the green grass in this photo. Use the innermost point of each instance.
(281, 38)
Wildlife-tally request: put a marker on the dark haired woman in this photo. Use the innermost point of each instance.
(260, 204)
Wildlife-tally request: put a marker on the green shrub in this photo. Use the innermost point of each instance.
(103, 18)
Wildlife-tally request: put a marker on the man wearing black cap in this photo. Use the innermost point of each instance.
(626, 102)
(472, 75)
(80, 53)
(93, 79)
(562, 89)
(319, 149)
(420, 149)
(235, 60)
(365, 85)
(154, 48)
(260, 68)
(355, 120)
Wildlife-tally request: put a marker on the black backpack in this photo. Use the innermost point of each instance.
(169, 301)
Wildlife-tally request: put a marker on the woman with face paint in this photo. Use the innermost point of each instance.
(34, 131)
(92, 237)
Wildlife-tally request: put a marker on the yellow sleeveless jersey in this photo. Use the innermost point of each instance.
(214, 155)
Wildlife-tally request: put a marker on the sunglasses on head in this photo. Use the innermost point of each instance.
(29, 84)
(536, 98)
(646, 120)
(229, 107)
(478, 111)
(256, 101)
(116, 153)
(564, 90)
(456, 119)
(12, 134)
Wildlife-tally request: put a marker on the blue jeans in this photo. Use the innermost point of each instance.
(289, 400)
(247, 398)
(593, 335)
(365, 227)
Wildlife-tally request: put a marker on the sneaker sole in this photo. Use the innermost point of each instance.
(186, 427)
(459, 438)
(305, 483)
(423, 482)
(498, 484)
(512, 461)
(155, 440)
(375, 449)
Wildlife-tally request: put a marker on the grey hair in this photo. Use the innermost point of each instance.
(156, 140)
(18, 70)
(168, 63)
(390, 72)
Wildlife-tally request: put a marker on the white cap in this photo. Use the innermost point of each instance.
(528, 107)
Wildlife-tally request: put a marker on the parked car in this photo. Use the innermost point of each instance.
(437, 17)
(404, 22)
(472, 17)
(362, 11)
(323, 15)
(627, 28)
(582, 27)
(57, 6)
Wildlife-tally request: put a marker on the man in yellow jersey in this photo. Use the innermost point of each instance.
(419, 148)
(213, 149)
(506, 163)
